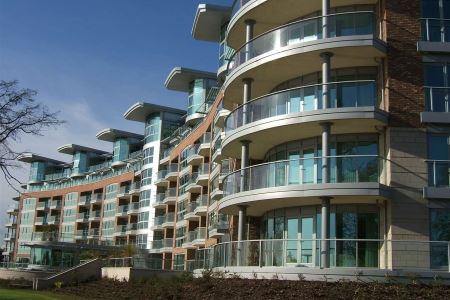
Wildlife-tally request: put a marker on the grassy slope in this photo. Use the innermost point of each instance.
(10, 294)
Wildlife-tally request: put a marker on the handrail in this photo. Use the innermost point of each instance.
(290, 24)
(293, 89)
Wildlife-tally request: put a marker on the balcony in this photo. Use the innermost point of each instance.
(157, 223)
(165, 156)
(192, 157)
(217, 149)
(298, 113)
(11, 223)
(437, 108)
(82, 234)
(121, 230)
(438, 180)
(293, 50)
(269, 14)
(161, 178)
(203, 174)
(167, 245)
(189, 213)
(156, 246)
(435, 35)
(159, 201)
(131, 228)
(56, 204)
(133, 208)
(83, 217)
(219, 226)
(353, 255)
(192, 186)
(43, 206)
(122, 210)
(53, 220)
(95, 216)
(170, 196)
(205, 145)
(135, 188)
(41, 221)
(97, 198)
(216, 191)
(94, 232)
(201, 205)
(172, 172)
(9, 237)
(285, 183)
(85, 200)
(220, 116)
(124, 192)
(169, 220)
(195, 238)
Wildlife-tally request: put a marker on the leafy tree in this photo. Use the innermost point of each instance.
(20, 115)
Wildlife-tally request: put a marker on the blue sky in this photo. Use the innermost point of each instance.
(92, 59)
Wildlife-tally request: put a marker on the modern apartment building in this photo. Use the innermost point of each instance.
(322, 141)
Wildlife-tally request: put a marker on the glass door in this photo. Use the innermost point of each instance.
(308, 166)
(294, 167)
(306, 244)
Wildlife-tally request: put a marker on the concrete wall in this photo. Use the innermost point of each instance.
(127, 274)
(83, 272)
(23, 274)
(407, 209)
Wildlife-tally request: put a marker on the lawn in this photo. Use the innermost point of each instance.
(11, 294)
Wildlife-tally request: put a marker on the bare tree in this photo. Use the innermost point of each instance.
(20, 115)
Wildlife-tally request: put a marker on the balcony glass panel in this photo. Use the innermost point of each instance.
(439, 173)
(435, 30)
(437, 99)
(362, 93)
(343, 169)
(342, 24)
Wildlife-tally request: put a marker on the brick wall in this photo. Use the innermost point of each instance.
(403, 67)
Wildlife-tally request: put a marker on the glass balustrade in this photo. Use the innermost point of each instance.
(439, 173)
(437, 99)
(159, 220)
(342, 169)
(307, 30)
(349, 94)
(435, 30)
(237, 5)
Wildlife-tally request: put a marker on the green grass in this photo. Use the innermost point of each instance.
(11, 294)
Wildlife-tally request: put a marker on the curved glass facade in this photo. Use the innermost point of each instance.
(152, 128)
(300, 226)
(121, 149)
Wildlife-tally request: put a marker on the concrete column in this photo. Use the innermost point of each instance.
(326, 129)
(325, 13)
(242, 221)
(325, 234)
(246, 97)
(326, 74)
(249, 29)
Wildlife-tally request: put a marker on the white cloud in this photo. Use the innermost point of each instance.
(81, 128)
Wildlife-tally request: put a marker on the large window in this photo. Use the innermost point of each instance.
(152, 128)
(436, 20)
(143, 220)
(146, 177)
(439, 231)
(121, 150)
(148, 156)
(439, 160)
(437, 87)
(144, 198)
(300, 226)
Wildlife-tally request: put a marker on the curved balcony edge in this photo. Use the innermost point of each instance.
(316, 46)
(291, 195)
(297, 119)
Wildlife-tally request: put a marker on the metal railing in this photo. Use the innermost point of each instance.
(306, 30)
(13, 265)
(237, 5)
(342, 169)
(139, 262)
(438, 173)
(361, 93)
(435, 30)
(346, 253)
(437, 99)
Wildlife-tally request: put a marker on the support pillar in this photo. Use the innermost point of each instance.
(247, 95)
(325, 13)
(249, 29)
(325, 234)
(326, 74)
